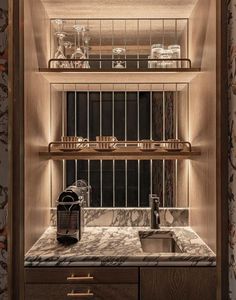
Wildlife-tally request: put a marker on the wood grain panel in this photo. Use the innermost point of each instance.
(202, 125)
(222, 154)
(183, 134)
(37, 123)
(198, 26)
(178, 283)
(99, 274)
(99, 291)
(56, 98)
(120, 154)
(135, 76)
(118, 9)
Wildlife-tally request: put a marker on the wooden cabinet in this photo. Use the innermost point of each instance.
(121, 283)
(178, 283)
(99, 283)
(81, 291)
(82, 275)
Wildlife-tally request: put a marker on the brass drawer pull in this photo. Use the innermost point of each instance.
(74, 294)
(73, 277)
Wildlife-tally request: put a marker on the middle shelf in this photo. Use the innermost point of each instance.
(73, 76)
(120, 154)
(128, 150)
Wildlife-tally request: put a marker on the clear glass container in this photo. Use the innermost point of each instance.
(176, 53)
(156, 52)
(166, 54)
(118, 54)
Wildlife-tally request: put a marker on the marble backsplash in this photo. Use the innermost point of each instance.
(135, 217)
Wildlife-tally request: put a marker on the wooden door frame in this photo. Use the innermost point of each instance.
(222, 153)
(16, 152)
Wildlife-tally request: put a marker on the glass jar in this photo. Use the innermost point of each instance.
(166, 55)
(176, 53)
(156, 51)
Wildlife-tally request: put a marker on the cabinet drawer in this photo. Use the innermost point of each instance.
(81, 291)
(81, 275)
(178, 283)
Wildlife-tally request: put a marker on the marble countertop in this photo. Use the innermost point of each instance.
(118, 246)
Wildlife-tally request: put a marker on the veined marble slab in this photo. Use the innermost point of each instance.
(120, 217)
(118, 246)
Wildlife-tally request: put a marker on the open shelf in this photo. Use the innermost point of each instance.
(120, 154)
(171, 75)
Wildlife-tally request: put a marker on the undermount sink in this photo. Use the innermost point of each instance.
(158, 242)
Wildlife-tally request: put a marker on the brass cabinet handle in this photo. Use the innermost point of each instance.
(73, 277)
(74, 294)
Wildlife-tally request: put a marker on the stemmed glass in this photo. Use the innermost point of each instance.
(78, 53)
(60, 51)
(85, 40)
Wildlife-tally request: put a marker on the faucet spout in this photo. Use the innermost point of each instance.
(154, 202)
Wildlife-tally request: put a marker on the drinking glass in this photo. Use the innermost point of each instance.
(78, 53)
(151, 63)
(166, 54)
(147, 145)
(60, 52)
(176, 53)
(108, 142)
(85, 40)
(156, 51)
(174, 145)
(117, 54)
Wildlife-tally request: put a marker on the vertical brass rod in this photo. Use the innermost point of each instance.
(50, 138)
(138, 138)
(151, 135)
(112, 41)
(100, 41)
(164, 137)
(76, 133)
(101, 196)
(88, 136)
(126, 163)
(125, 43)
(138, 43)
(176, 106)
(113, 162)
(63, 133)
(163, 32)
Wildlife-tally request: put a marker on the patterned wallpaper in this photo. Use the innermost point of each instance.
(232, 145)
(4, 157)
(3, 147)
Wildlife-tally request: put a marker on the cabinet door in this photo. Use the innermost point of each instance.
(178, 283)
(81, 291)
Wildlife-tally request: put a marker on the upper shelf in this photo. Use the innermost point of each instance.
(180, 75)
(119, 50)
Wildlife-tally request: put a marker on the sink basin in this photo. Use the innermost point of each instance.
(158, 242)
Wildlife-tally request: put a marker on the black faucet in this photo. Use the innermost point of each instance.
(154, 203)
